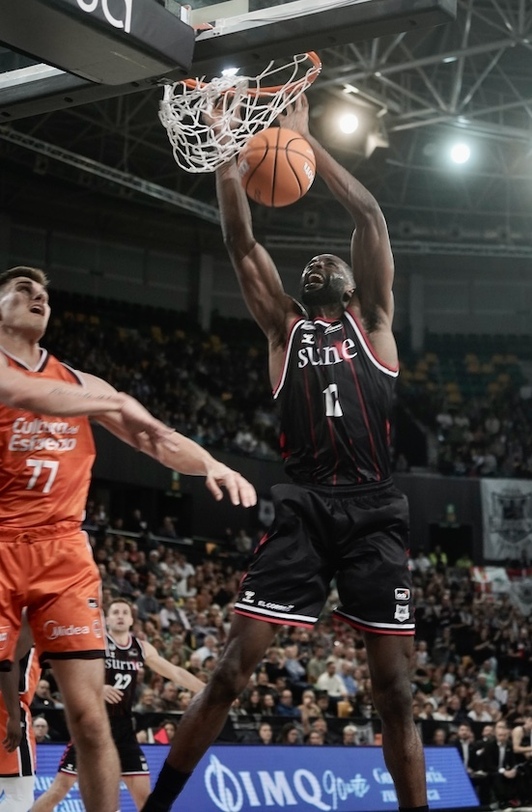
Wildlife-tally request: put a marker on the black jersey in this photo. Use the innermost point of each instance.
(122, 665)
(336, 400)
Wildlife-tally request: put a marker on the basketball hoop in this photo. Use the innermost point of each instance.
(244, 106)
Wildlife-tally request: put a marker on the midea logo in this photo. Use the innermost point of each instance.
(125, 23)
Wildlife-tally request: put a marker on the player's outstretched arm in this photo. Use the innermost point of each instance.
(352, 194)
(371, 254)
(172, 672)
(52, 397)
(190, 458)
(258, 277)
(136, 426)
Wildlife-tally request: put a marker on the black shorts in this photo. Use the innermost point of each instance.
(132, 759)
(358, 536)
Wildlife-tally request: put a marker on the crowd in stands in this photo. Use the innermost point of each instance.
(474, 410)
(214, 391)
(471, 676)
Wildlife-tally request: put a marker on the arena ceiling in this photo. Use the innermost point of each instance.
(109, 163)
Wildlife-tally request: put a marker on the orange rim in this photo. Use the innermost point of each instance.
(192, 84)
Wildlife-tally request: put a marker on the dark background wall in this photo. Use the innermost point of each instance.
(435, 293)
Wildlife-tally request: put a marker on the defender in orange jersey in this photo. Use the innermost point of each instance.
(46, 564)
(17, 739)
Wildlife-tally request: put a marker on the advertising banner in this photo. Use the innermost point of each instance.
(245, 778)
(506, 518)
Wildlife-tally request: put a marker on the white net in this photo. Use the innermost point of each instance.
(243, 106)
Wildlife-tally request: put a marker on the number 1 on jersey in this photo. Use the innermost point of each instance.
(332, 401)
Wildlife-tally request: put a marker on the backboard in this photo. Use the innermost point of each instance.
(244, 33)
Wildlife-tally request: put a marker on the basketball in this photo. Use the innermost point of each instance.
(277, 167)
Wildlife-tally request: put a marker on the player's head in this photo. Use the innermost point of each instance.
(24, 270)
(326, 281)
(119, 615)
(24, 300)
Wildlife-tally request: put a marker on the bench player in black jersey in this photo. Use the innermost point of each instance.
(126, 657)
(333, 365)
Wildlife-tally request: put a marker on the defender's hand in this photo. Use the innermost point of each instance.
(241, 492)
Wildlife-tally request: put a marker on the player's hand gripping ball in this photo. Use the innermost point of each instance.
(277, 167)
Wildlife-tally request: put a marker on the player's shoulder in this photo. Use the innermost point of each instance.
(110, 643)
(134, 641)
(141, 645)
(296, 317)
(62, 370)
(294, 309)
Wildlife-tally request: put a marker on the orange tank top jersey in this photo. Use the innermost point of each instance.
(46, 461)
(22, 761)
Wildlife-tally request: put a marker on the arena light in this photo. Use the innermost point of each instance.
(460, 153)
(348, 123)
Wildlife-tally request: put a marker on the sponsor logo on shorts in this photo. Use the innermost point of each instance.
(279, 607)
(402, 613)
(97, 628)
(92, 603)
(4, 636)
(248, 597)
(53, 630)
(402, 594)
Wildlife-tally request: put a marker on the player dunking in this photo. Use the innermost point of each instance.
(46, 455)
(126, 657)
(17, 762)
(333, 365)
